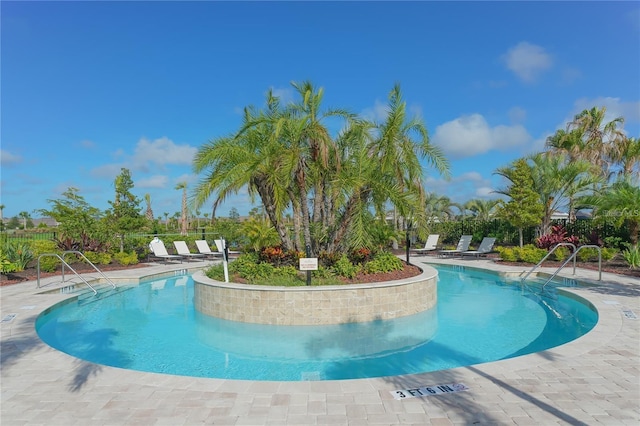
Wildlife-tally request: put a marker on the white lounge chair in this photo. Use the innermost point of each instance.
(485, 247)
(159, 250)
(203, 248)
(183, 250)
(220, 246)
(463, 245)
(430, 245)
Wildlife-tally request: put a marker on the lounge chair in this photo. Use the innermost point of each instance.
(430, 245)
(463, 245)
(220, 246)
(203, 248)
(159, 250)
(183, 250)
(485, 247)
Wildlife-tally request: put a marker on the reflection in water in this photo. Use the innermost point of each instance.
(326, 342)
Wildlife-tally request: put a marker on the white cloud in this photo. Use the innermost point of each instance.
(485, 192)
(471, 135)
(109, 171)
(615, 108)
(8, 159)
(155, 181)
(286, 95)
(517, 115)
(161, 152)
(527, 61)
(377, 113)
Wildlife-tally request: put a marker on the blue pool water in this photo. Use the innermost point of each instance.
(154, 327)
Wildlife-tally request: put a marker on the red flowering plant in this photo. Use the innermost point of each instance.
(558, 235)
(276, 256)
(361, 255)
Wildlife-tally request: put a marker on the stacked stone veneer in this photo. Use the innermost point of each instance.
(316, 305)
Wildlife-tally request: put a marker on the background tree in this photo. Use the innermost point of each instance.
(148, 212)
(24, 216)
(524, 207)
(1, 216)
(124, 215)
(619, 203)
(13, 223)
(166, 220)
(482, 209)
(183, 218)
(77, 219)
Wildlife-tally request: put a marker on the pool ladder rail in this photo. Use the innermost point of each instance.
(572, 257)
(64, 263)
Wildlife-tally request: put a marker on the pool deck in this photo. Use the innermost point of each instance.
(592, 380)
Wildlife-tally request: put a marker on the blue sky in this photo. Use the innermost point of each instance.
(88, 88)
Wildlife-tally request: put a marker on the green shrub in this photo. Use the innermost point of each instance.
(560, 254)
(322, 272)
(98, 258)
(40, 247)
(345, 268)
(531, 254)
(49, 263)
(608, 253)
(588, 254)
(383, 262)
(507, 254)
(19, 254)
(125, 258)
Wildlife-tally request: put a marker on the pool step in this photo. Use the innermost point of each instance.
(87, 296)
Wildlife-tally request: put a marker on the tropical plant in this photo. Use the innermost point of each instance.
(19, 254)
(620, 203)
(286, 156)
(184, 226)
(149, 211)
(259, 233)
(6, 266)
(632, 256)
(524, 207)
(557, 235)
(482, 209)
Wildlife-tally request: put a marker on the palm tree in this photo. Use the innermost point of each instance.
(183, 220)
(626, 154)
(286, 156)
(557, 182)
(24, 215)
(483, 209)
(149, 212)
(438, 207)
(166, 220)
(2, 206)
(620, 201)
(251, 158)
(598, 136)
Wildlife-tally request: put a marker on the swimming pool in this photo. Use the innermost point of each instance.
(154, 327)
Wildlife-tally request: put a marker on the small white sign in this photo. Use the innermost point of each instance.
(309, 264)
(429, 390)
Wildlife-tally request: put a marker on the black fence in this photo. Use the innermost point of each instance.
(587, 230)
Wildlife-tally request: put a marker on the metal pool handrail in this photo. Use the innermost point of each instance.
(64, 263)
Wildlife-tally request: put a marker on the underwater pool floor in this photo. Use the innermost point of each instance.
(592, 380)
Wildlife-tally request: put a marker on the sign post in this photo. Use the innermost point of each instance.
(308, 264)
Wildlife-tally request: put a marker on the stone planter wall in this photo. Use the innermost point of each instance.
(316, 305)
